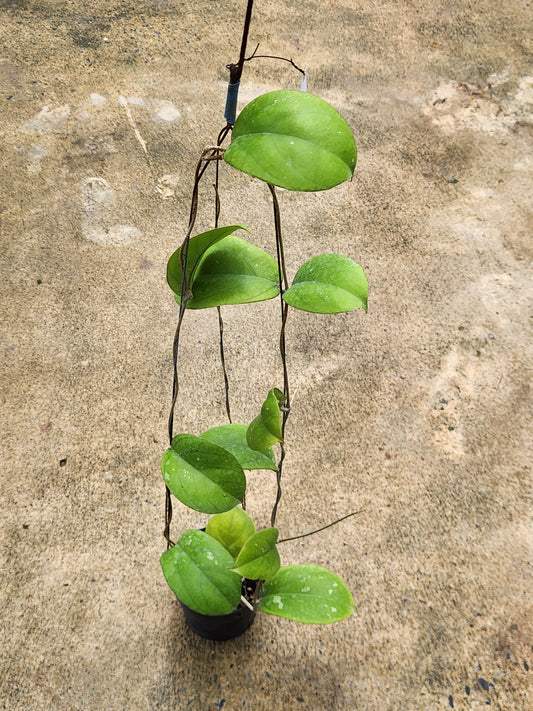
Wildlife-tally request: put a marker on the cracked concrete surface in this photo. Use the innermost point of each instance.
(419, 413)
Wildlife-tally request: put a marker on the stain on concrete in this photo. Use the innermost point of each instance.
(97, 200)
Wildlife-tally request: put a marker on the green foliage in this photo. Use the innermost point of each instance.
(223, 269)
(307, 593)
(203, 475)
(294, 140)
(232, 529)
(193, 252)
(328, 284)
(299, 142)
(265, 429)
(197, 570)
(259, 558)
(233, 439)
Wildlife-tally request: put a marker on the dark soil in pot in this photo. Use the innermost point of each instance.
(222, 627)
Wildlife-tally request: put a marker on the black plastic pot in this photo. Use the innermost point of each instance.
(222, 627)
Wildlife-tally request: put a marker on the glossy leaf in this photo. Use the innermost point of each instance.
(232, 529)
(294, 140)
(265, 429)
(197, 247)
(233, 271)
(328, 284)
(307, 593)
(233, 438)
(203, 475)
(197, 570)
(259, 557)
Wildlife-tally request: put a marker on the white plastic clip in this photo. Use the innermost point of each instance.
(303, 85)
(245, 601)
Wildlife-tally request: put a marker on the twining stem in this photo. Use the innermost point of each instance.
(283, 286)
(168, 518)
(208, 155)
(219, 310)
(278, 485)
(271, 56)
(175, 390)
(329, 525)
(236, 69)
(223, 362)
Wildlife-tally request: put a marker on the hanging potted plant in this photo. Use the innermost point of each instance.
(226, 572)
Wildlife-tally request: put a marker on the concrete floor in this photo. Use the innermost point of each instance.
(419, 412)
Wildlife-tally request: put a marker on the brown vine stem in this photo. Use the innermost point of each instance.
(235, 76)
(254, 55)
(236, 69)
(209, 154)
(219, 310)
(323, 528)
(283, 286)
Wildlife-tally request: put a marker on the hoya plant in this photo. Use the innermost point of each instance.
(299, 142)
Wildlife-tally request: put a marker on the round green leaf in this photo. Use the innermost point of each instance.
(259, 557)
(233, 438)
(203, 475)
(328, 284)
(233, 271)
(197, 247)
(294, 140)
(197, 570)
(307, 593)
(265, 429)
(232, 529)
